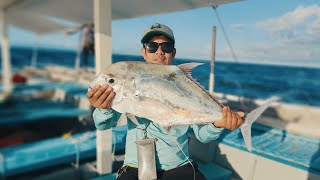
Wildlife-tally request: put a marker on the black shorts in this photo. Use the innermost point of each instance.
(186, 172)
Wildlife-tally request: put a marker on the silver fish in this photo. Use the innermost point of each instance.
(167, 95)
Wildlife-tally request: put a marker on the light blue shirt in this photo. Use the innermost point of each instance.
(169, 146)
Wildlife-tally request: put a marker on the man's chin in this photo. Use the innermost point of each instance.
(162, 62)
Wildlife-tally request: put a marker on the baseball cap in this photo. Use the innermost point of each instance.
(157, 29)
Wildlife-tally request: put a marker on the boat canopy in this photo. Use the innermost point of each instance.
(43, 16)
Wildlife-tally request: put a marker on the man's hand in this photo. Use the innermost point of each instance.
(101, 96)
(230, 120)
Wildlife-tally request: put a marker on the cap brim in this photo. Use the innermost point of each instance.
(155, 32)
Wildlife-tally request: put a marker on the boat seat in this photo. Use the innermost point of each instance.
(106, 177)
(281, 146)
(32, 157)
(214, 171)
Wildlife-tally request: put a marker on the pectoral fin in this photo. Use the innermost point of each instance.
(133, 118)
(122, 120)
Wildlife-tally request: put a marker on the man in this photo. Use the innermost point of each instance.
(88, 46)
(172, 157)
(88, 43)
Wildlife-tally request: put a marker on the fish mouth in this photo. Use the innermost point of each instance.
(91, 85)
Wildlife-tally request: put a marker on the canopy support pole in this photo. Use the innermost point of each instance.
(213, 57)
(79, 50)
(103, 53)
(6, 65)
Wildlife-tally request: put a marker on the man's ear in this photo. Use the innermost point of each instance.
(174, 53)
(143, 52)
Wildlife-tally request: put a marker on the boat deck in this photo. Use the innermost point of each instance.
(14, 113)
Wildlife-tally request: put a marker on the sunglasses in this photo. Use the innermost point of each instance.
(152, 47)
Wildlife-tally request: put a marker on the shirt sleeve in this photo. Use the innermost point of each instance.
(206, 132)
(105, 119)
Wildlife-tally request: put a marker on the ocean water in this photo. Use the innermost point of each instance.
(298, 85)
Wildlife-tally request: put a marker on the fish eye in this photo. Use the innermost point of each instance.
(110, 80)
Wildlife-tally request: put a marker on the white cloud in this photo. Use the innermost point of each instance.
(301, 23)
(275, 54)
(294, 40)
(291, 20)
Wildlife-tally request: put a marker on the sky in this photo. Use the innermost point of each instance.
(285, 32)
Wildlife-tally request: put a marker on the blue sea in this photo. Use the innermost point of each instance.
(298, 85)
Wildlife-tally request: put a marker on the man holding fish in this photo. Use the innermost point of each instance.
(159, 109)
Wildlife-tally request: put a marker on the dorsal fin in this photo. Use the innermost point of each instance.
(187, 70)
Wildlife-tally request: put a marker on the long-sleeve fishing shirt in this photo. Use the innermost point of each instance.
(171, 148)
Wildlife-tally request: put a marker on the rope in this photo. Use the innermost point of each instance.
(76, 141)
(235, 58)
(187, 158)
(225, 34)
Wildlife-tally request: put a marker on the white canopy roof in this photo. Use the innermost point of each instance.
(34, 23)
(41, 16)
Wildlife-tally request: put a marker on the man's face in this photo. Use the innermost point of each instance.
(158, 57)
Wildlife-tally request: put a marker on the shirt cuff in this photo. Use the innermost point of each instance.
(214, 129)
(105, 111)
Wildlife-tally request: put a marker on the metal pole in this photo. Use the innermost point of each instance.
(102, 26)
(79, 50)
(6, 65)
(213, 57)
(35, 53)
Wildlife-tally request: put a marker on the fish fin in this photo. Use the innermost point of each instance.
(122, 120)
(251, 118)
(133, 118)
(186, 68)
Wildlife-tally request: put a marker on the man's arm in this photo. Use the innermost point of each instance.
(105, 119)
(230, 120)
(206, 132)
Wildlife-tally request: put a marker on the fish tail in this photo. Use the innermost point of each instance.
(251, 118)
